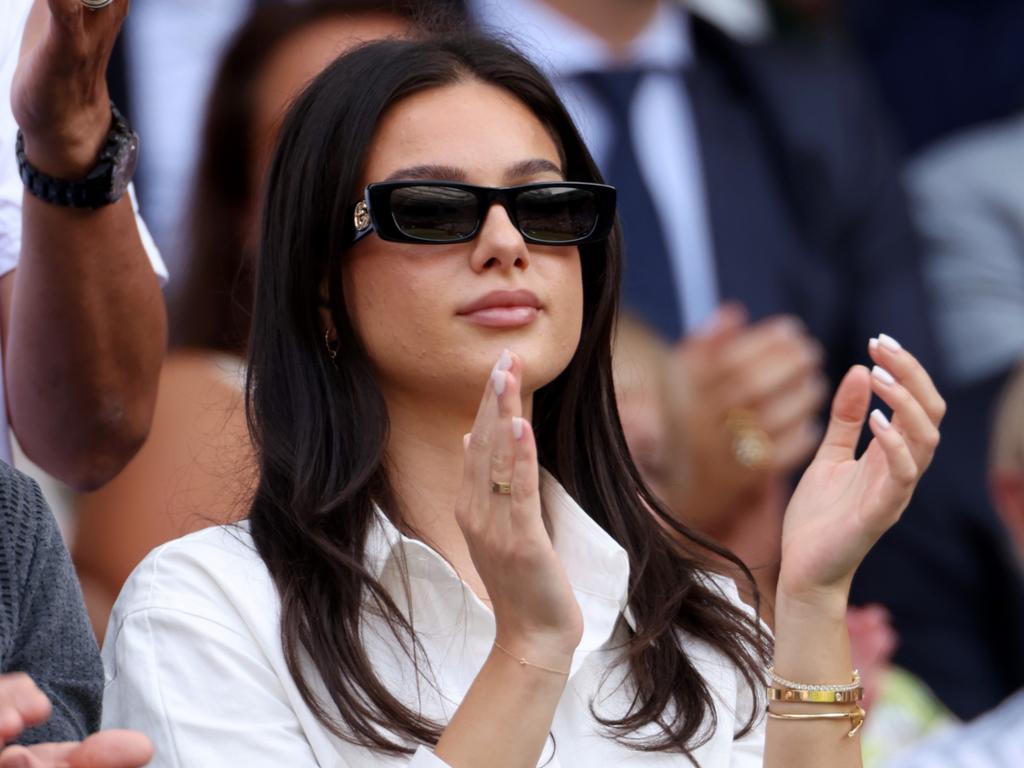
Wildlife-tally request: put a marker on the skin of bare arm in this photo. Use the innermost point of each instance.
(838, 511)
(84, 326)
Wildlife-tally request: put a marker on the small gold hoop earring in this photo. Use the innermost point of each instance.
(332, 349)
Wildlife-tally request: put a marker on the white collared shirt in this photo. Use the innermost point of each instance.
(15, 13)
(194, 660)
(664, 131)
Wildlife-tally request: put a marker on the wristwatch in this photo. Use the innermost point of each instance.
(104, 184)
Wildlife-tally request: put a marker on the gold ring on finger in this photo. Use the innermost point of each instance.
(501, 488)
(95, 5)
(751, 446)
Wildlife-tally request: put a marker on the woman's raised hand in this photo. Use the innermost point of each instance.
(535, 610)
(843, 504)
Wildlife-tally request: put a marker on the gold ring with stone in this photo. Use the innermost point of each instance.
(501, 488)
(751, 446)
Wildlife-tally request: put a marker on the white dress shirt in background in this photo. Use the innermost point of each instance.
(194, 660)
(15, 13)
(664, 131)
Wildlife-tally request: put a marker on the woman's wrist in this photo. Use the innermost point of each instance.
(812, 642)
(812, 604)
(552, 653)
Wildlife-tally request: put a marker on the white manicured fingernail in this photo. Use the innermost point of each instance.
(882, 375)
(498, 379)
(879, 418)
(872, 344)
(465, 440)
(517, 428)
(504, 362)
(889, 342)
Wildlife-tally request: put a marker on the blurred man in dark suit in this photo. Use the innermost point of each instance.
(762, 175)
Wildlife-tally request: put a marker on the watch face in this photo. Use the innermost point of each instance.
(124, 166)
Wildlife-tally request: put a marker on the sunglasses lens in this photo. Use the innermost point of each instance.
(434, 213)
(557, 214)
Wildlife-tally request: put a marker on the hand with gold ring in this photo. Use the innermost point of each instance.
(751, 446)
(741, 405)
(59, 95)
(499, 512)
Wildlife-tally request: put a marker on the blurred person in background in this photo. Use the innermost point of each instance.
(940, 67)
(1006, 476)
(995, 739)
(968, 196)
(196, 468)
(765, 175)
(51, 677)
(83, 337)
(82, 319)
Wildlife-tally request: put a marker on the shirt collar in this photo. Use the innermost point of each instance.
(563, 48)
(596, 565)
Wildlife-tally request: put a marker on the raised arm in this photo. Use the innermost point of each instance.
(839, 510)
(84, 325)
(536, 614)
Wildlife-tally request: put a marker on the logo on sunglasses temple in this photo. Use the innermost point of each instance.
(361, 216)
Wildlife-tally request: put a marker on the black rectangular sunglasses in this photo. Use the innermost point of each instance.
(546, 213)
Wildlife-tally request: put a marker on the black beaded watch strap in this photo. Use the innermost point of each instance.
(99, 187)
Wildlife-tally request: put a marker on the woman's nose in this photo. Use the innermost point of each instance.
(499, 243)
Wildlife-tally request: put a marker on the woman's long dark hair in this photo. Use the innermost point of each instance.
(321, 430)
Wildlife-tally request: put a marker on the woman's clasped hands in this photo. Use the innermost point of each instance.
(843, 504)
(499, 512)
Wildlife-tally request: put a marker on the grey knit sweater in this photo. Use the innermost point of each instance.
(44, 630)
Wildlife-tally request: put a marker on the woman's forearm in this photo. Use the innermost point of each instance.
(812, 646)
(505, 718)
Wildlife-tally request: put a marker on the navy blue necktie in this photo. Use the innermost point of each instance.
(649, 284)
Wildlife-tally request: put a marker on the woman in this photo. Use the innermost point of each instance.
(411, 588)
(196, 467)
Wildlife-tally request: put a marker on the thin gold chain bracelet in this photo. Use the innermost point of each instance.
(524, 663)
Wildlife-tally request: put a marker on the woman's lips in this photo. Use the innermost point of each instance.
(503, 309)
(503, 317)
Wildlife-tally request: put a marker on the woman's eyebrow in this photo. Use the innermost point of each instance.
(533, 167)
(444, 172)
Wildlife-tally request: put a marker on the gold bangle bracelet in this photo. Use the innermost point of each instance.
(815, 697)
(524, 663)
(856, 718)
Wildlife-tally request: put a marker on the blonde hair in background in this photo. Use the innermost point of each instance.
(1007, 449)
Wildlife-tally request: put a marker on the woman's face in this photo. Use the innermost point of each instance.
(412, 304)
